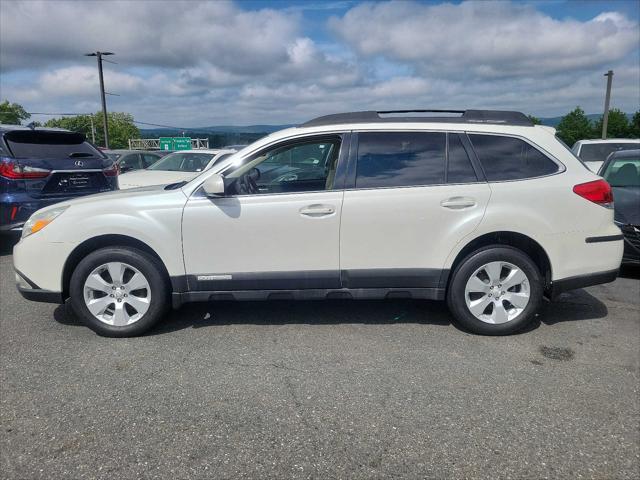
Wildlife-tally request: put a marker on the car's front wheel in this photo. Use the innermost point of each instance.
(119, 292)
(495, 291)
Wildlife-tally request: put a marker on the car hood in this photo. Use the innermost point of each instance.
(626, 201)
(143, 178)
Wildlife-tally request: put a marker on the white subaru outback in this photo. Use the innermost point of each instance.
(484, 210)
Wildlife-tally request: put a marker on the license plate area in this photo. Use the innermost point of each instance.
(72, 182)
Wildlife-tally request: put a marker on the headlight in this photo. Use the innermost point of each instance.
(39, 220)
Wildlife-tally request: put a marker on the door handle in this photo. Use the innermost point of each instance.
(317, 210)
(458, 203)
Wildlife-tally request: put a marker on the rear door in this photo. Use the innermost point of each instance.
(63, 163)
(412, 197)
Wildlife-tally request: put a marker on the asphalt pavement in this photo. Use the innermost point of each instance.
(334, 389)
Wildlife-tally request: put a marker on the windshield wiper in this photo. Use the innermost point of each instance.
(175, 186)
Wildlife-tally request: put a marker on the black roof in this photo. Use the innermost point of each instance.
(499, 117)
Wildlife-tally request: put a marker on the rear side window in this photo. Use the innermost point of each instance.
(508, 158)
(48, 145)
(400, 159)
(459, 168)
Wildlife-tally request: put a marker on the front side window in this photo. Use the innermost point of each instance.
(306, 166)
(509, 158)
(183, 162)
(400, 159)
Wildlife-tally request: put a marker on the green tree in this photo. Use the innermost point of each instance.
(12, 113)
(635, 125)
(534, 120)
(121, 127)
(617, 126)
(574, 126)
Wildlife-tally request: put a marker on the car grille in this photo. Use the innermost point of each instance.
(632, 235)
(75, 182)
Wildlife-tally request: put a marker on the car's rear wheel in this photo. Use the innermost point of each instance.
(495, 291)
(119, 292)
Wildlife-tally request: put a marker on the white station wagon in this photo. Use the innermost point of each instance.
(483, 210)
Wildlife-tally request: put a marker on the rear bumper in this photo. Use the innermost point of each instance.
(581, 281)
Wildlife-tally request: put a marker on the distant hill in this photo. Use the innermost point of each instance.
(594, 117)
(215, 129)
(554, 121)
(252, 130)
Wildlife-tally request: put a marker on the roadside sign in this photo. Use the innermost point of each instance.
(166, 143)
(182, 143)
(175, 143)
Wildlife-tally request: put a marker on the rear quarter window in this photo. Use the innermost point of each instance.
(510, 158)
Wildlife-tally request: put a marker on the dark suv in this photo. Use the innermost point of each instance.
(39, 167)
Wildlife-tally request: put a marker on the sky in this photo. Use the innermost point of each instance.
(190, 64)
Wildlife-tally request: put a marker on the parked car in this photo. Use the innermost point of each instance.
(593, 153)
(128, 160)
(176, 167)
(42, 166)
(622, 171)
(484, 210)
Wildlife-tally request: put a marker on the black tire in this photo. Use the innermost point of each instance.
(147, 264)
(456, 291)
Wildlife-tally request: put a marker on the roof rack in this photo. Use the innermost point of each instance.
(502, 117)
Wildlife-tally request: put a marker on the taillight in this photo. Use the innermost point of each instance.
(598, 191)
(13, 171)
(111, 171)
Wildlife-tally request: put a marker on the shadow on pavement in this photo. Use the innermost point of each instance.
(572, 306)
(630, 271)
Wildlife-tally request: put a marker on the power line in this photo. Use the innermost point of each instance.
(57, 114)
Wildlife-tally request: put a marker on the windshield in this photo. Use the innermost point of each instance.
(183, 162)
(623, 172)
(598, 152)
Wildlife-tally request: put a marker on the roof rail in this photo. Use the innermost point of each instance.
(502, 117)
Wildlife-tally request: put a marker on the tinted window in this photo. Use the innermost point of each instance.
(623, 172)
(459, 169)
(129, 162)
(507, 158)
(397, 159)
(43, 144)
(598, 152)
(301, 167)
(149, 159)
(183, 162)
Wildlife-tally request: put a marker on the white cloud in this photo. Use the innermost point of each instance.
(194, 63)
(485, 39)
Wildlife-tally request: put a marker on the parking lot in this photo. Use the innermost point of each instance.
(336, 389)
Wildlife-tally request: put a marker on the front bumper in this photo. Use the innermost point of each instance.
(31, 291)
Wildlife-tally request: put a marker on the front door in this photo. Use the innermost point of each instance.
(277, 228)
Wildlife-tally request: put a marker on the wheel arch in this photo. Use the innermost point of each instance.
(96, 243)
(522, 242)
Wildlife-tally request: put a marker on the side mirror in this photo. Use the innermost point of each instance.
(214, 186)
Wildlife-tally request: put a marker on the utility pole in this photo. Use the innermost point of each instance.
(99, 56)
(93, 130)
(607, 98)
